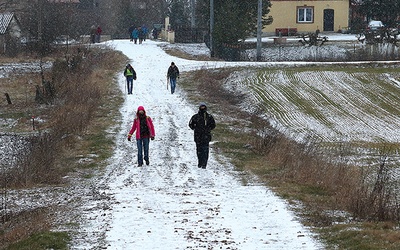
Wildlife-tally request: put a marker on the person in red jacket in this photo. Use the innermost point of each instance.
(143, 125)
(98, 34)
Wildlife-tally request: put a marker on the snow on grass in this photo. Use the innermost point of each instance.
(12, 148)
(18, 68)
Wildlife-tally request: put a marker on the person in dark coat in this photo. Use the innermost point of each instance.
(130, 75)
(202, 123)
(172, 74)
(141, 34)
(93, 31)
(130, 30)
(155, 33)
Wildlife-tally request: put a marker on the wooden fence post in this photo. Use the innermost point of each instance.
(8, 98)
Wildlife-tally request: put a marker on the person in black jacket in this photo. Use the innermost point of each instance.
(202, 123)
(172, 74)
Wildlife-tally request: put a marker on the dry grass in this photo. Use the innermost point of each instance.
(67, 116)
(21, 93)
(71, 126)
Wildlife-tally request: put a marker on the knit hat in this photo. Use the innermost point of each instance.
(202, 104)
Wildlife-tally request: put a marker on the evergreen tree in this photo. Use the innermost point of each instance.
(234, 20)
(386, 11)
(178, 14)
(125, 18)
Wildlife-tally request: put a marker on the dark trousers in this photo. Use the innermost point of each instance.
(202, 150)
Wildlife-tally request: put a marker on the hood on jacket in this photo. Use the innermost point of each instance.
(139, 109)
(202, 104)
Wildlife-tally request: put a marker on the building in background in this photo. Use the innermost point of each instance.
(293, 16)
(10, 33)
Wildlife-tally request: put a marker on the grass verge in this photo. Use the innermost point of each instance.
(44, 240)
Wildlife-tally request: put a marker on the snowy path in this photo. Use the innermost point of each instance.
(172, 204)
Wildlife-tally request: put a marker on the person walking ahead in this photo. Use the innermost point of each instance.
(98, 34)
(130, 30)
(135, 35)
(143, 125)
(130, 75)
(172, 74)
(202, 123)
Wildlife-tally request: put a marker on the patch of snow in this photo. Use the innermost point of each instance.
(18, 68)
(12, 147)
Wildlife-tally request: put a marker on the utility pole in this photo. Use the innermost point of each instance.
(40, 22)
(259, 29)
(193, 13)
(211, 27)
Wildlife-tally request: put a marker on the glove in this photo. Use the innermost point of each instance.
(152, 138)
(129, 139)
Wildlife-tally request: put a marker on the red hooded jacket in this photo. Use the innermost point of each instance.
(136, 125)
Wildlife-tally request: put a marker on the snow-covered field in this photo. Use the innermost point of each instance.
(330, 105)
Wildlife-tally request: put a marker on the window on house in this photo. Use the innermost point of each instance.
(305, 14)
